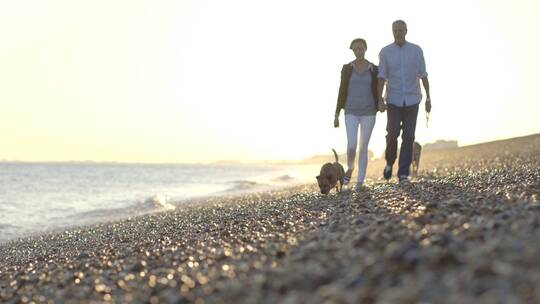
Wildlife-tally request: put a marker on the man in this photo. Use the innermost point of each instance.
(401, 64)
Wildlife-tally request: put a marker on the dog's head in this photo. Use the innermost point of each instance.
(324, 184)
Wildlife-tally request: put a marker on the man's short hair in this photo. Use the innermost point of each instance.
(400, 22)
(358, 40)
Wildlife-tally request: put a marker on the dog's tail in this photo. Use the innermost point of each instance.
(335, 154)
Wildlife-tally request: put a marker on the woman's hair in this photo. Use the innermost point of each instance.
(358, 40)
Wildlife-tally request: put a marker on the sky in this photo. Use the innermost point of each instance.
(206, 80)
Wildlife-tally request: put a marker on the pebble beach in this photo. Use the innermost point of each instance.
(466, 230)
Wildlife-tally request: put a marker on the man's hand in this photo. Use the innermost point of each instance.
(336, 122)
(428, 105)
(381, 106)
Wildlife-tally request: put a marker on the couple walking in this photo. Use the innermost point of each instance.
(401, 64)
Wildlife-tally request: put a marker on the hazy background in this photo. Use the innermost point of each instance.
(200, 81)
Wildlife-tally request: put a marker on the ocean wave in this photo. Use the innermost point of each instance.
(8, 232)
(284, 178)
(158, 202)
(243, 185)
(8, 226)
(240, 186)
(155, 203)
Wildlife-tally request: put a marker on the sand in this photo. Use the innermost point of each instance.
(466, 230)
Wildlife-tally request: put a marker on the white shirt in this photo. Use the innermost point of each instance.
(402, 67)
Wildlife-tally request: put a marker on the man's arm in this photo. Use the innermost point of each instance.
(425, 83)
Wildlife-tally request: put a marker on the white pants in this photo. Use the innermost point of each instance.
(366, 124)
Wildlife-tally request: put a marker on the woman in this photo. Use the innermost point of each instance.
(358, 96)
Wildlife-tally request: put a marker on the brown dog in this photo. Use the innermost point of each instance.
(417, 151)
(330, 175)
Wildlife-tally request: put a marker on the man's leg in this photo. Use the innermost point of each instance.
(393, 126)
(407, 139)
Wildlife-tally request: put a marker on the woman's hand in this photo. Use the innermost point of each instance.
(336, 121)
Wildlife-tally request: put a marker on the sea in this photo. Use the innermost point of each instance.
(36, 198)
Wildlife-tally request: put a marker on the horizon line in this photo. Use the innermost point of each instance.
(221, 161)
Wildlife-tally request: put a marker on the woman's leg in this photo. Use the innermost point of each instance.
(366, 127)
(351, 126)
